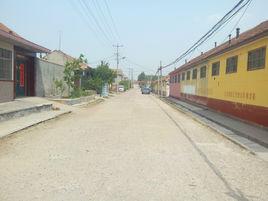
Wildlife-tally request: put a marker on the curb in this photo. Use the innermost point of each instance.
(96, 101)
(34, 124)
(202, 120)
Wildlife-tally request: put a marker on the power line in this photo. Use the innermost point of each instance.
(89, 11)
(138, 65)
(216, 27)
(112, 19)
(89, 25)
(104, 59)
(236, 24)
(103, 18)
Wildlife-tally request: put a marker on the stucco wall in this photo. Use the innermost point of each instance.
(6, 91)
(58, 58)
(45, 75)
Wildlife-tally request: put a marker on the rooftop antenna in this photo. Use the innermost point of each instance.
(60, 33)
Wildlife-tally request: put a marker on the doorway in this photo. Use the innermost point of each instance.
(20, 78)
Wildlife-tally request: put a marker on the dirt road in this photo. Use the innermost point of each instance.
(132, 147)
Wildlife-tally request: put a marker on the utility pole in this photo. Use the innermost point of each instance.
(161, 81)
(158, 72)
(60, 33)
(132, 86)
(117, 62)
(130, 74)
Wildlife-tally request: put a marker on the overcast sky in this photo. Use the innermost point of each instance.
(150, 30)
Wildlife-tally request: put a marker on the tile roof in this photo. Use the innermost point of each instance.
(244, 38)
(12, 37)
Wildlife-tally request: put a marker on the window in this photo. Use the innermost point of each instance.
(215, 69)
(231, 64)
(188, 75)
(175, 78)
(5, 64)
(179, 78)
(183, 76)
(256, 58)
(203, 71)
(194, 75)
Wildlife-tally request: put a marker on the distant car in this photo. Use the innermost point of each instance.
(121, 88)
(145, 90)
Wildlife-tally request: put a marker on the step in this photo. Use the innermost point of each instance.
(18, 124)
(24, 111)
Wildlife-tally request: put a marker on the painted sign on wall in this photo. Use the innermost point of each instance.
(21, 75)
(188, 89)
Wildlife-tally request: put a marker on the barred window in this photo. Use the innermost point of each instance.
(256, 58)
(183, 76)
(215, 69)
(5, 64)
(231, 64)
(188, 75)
(203, 71)
(194, 75)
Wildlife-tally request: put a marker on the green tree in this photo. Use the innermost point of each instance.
(125, 83)
(142, 77)
(72, 72)
(99, 76)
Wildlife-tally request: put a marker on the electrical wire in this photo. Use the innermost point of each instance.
(112, 19)
(103, 18)
(217, 26)
(238, 21)
(89, 11)
(88, 24)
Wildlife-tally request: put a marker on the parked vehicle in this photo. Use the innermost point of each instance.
(121, 88)
(146, 90)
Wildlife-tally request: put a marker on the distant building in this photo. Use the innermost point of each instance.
(119, 77)
(164, 89)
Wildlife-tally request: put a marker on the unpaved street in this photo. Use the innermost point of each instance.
(131, 147)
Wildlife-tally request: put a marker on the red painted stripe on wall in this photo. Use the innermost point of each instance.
(251, 113)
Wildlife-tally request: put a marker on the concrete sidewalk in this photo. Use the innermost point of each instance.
(251, 137)
(26, 112)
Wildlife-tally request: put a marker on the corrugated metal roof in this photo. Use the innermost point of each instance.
(10, 36)
(244, 38)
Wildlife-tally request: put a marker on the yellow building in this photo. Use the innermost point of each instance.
(231, 78)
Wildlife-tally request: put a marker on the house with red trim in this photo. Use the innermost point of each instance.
(17, 65)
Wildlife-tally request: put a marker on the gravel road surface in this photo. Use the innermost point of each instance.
(131, 147)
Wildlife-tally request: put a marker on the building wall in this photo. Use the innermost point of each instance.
(243, 94)
(7, 87)
(58, 58)
(45, 75)
(246, 87)
(6, 91)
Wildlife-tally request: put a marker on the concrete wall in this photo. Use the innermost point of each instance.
(45, 75)
(6, 91)
(58, 57)
(7, 87)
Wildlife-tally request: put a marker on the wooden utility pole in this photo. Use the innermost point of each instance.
(161, 82)
(158, 71)
(117, 63)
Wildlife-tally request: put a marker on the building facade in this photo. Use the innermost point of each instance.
(17, 69)
(231, 78)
